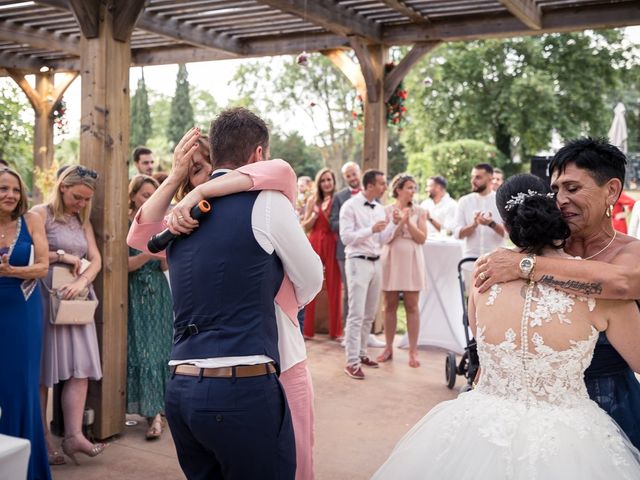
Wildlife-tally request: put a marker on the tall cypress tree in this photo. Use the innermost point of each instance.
(140, 116)
(181, 118)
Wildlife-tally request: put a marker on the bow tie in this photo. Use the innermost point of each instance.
(369, 204)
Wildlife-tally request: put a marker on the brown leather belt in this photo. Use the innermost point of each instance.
(224, 372)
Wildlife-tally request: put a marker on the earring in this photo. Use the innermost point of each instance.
(609, 211)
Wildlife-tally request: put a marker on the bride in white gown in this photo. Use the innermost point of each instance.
(529, 416)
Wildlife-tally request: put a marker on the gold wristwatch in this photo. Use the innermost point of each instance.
(527, 265)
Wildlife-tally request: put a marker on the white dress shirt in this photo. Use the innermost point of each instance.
(484, 239)
(443, 212)
(634, 221)
(356, 220)
(276, 228)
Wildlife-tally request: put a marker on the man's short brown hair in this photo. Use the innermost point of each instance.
(234, 135)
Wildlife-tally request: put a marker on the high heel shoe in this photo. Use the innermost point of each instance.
(95, 450)
(54, 456)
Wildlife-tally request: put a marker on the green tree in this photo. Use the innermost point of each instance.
(453, 160)
(514, 93)
(205, 108)
(16, 130)
(181, 118)
(305, 159)
(319, 91)
(141, 125)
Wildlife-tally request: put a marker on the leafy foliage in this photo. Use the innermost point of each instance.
(454, 161)
(141, 124)
(16, 130)
(181, 118)
(514, 93)
(318, 91)
(305, 159)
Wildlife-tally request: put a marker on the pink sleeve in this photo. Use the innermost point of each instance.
(272, 175)
(286, 299)
(140, 233)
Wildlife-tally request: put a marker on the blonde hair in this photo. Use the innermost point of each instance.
(136, 184)
(71, 176)
(203, 148)
(23, 203)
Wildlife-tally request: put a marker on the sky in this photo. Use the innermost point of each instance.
(209, 76)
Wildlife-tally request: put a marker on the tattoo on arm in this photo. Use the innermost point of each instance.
(574, 285)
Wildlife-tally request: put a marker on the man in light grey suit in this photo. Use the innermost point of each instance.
(351, 174)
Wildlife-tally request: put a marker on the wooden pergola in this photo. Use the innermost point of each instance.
(101, 39)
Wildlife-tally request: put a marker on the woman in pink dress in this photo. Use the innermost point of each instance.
(403, 266)
(189, 175)
(324, 240)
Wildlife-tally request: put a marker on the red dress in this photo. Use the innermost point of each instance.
(323, 240)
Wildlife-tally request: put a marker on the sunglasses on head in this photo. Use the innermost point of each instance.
(86, 172)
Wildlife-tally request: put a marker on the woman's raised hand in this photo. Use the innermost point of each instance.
(183, 154)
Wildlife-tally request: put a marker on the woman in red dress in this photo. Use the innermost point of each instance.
(323, 240)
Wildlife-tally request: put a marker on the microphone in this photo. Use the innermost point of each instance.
(161, 240)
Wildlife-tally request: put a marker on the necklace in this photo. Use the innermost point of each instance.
(615, 232)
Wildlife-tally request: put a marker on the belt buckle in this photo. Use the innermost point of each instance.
(192, 328)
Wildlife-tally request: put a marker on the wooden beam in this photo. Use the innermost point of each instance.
(67, 79)
(33, 97)
(104, 146)
(349, 68)
(171, 55)
(375, 141)
(86, 13)
(527, 11)
(14, 60)
(125, 16)
(182, 32)
(610, 15)
(36, 37)
(334, 18)
(393, 79)
(373, 76)
(406, 10)
(293, 44)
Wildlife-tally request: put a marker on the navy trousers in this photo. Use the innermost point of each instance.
(231, 428)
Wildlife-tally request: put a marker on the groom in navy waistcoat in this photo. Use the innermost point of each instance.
(224, 403)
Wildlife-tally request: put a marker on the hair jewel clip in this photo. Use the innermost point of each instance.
(519, 198)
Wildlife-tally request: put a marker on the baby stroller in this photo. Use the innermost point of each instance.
(469, 363)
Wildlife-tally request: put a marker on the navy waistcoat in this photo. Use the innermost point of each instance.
(224, 285)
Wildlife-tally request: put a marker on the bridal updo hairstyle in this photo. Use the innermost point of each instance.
(536, 221)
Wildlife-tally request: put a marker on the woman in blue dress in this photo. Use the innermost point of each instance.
(23, 252)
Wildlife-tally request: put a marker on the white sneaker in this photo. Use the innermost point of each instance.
(374, 342)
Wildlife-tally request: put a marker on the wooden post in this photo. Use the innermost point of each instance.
(104, 141)
(43, 100)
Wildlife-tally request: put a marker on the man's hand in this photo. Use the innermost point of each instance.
(379, 226)
(484, 218)
(500, 266)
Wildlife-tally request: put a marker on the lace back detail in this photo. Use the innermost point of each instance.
(522, 366)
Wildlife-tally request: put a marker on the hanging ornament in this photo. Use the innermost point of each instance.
(428, 81)
(303, 59)
(312, 104)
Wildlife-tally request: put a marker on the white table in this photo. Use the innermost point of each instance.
(440, 303)
(14, 458)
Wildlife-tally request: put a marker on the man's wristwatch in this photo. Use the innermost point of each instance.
(60, 254)
(492, 224)
(527, 264)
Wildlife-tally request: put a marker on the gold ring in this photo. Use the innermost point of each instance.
(483, 276)
(180, 217)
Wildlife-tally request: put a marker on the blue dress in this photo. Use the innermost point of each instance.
(20, 352)
(612, 384)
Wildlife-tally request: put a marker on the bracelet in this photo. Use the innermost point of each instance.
(492, 224)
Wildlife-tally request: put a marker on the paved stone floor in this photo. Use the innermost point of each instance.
(357, 422)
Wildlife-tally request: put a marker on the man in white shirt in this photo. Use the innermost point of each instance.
(477, 219)
(364, 229)
(224, 403)
(440, 207)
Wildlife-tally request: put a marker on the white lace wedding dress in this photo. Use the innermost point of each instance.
(530, 416)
